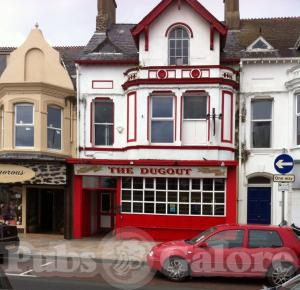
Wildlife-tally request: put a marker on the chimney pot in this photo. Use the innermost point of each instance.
(232, 14)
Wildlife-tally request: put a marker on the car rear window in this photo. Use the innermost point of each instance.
(264, 239)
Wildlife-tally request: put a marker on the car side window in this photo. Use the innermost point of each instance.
(226, 239)
(264, 239)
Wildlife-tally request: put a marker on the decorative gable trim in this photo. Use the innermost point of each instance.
(260, 44)
(164, 4)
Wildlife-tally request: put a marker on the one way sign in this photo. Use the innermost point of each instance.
(284, 164)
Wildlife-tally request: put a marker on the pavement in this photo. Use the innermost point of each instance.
(100, 248)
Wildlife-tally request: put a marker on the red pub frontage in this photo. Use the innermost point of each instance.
(166, 199)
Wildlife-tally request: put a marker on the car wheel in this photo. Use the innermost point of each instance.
(280, 273)
(176, 269)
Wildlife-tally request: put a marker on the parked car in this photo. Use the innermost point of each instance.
(231, 250)
(292, 284)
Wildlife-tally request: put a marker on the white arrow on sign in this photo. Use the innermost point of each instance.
(281, 164)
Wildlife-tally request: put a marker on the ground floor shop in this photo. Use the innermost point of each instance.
(167, 200)
(32, 196)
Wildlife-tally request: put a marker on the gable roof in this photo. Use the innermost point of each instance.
(117, 45)
(281, 33)
(164, 4)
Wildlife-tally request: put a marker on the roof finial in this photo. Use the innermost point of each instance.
(36, 26)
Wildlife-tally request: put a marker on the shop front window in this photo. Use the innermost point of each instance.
(11, 204)
(173, 196)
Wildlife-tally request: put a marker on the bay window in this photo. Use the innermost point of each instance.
(162, 119)
(261, 123)
(54, 128)
(24, 125)
(103, 123)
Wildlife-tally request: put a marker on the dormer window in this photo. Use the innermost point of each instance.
(260, 44)
(179, 42)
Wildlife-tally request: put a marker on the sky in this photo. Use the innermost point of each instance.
(72, 22)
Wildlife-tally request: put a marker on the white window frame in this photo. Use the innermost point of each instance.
(182, 56)
(162, 119)
(297, 116)
(103, 124)
(261, 120)
(24, 125)
(56, 129)
(178, 203)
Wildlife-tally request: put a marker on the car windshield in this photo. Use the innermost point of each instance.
(201, 236)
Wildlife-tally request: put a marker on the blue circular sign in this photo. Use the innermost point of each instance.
(284, 164)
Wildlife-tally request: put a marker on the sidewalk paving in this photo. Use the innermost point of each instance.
(94, 247)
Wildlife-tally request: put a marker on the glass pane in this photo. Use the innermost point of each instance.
(172, 208)
(103, 134)
(161, 208)
(262, 110)
(137, 207)
(184, 196)
(184, 184)
(24, 114)
(195, 107)
(54, 117)
(108, 182)
(195, 209)
(173, 33)
(162, 132)
(149, 207)
(161, 183)
(126, 207)
(103, 112)
(185, 34)
(220, 184)
(172, 44)
(160, 196)
(138, 183)
(298, 104)
(137, 196)
(54, 139)
(259, 180)
(172, 60)
(260, 45)
(196, 197)
(196, 183)
(149, 183)
(173, 183)
(126, 195)
(172, 196)
(126, 182)
(185, 60)
(149, 195)
(208, 197)
(261, 134)
(219, 210)
(25, 136)
(264, 239)
(207, 209)
(219, 197)
(207, 184)
(162, 107)
(90, 182)
(298, 130)
(183, 209)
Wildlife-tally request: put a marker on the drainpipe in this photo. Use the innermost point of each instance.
(240, 135)
(78, 111)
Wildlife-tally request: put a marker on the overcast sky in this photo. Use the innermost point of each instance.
(72, 22)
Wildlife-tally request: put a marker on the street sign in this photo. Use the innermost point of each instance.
(284, 164)
(283, 186)
(283, 178)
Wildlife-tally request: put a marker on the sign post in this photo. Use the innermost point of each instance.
(283, 164)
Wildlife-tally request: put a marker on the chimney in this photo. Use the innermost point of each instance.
(106, 15)
(232, 14)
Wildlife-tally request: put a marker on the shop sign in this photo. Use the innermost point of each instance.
(151, 171)
(14, 173)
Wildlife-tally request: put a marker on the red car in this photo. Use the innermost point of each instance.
(233, 251)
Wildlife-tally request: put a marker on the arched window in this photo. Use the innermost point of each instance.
(259, 180)
(179, 42)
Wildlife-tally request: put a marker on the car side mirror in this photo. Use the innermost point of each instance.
(203, 245)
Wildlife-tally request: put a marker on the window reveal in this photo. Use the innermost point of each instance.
(173, 196)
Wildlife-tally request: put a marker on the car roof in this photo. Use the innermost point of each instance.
(250, 226)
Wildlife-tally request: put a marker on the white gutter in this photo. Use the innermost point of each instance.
(78, 104)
